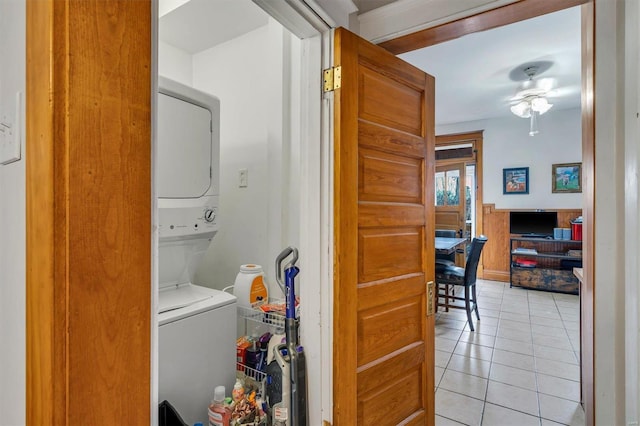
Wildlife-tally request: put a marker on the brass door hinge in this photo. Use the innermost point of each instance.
(431, 298)
(332, 79)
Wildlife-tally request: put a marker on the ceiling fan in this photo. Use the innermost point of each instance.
(531, 100)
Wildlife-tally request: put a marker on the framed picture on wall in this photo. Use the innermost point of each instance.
(515, 180)
(566, 177)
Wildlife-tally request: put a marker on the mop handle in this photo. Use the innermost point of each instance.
(290, 275)
(281, 257)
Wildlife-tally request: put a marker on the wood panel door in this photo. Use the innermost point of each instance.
(384, 216)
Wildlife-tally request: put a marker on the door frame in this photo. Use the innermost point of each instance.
(88, 214)
(476, 140)
(508, 14)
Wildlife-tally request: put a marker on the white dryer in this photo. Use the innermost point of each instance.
(197, 325)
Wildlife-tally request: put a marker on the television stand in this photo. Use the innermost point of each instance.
(543, 264)
(532, 235)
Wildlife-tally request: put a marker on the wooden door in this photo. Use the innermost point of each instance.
(450, 197)
(384, 216)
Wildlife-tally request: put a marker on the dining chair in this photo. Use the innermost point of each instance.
(451, 275)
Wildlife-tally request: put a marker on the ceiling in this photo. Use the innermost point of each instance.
(367, 5)
(476, 75)
(196, 25)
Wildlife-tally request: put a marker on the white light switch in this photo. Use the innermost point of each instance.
(10, 135)
(243, 178)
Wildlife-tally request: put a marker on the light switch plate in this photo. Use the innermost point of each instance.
(10, 135)
(243, 178)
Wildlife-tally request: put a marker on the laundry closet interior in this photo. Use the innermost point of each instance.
(227, 187)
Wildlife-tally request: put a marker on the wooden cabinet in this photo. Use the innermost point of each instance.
(544, 264)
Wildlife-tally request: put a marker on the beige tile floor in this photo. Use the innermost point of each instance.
(520, 366)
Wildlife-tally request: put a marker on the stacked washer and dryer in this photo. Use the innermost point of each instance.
(197, 325)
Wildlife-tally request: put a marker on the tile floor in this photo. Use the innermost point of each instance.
(520, 366)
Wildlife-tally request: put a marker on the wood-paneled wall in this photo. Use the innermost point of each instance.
(495, 256)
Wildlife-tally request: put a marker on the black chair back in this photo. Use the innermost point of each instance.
(471, 268)
(446, 233)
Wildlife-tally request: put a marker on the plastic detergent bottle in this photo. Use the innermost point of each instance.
(238, 391)
(249, 286)
(218, 413)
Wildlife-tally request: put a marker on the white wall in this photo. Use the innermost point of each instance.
(507, 144)
(610, 235)
(247, 75)
(12, 218)
(175, 63)
(632, 210)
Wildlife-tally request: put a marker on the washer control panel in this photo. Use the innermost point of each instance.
(185, 222)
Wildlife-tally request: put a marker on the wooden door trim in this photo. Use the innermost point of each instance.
(459, 138)
(46, 311)
(88, 215)
(515, 12)
(508, 14)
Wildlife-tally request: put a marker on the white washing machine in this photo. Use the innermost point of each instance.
(197, 325)
(196, 348)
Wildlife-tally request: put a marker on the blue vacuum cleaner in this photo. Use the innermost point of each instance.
(286, 385)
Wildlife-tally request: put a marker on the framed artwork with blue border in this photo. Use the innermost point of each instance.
(515, 180)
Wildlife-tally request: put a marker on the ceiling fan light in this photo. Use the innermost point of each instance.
(533, 125)
(521, 109)
(546, 108)
(540, 104)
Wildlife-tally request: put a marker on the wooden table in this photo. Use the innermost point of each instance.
(446, 245)
(578, 273)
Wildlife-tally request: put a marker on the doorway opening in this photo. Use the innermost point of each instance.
(460, 154)
(269, 151)
(502, 305)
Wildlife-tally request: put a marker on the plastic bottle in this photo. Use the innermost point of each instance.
(263, 346)
(252, 354)
(238, 391)
(249, 286)
(219, 415)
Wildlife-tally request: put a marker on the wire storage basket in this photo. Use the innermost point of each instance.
(251, 373)
(256, 314)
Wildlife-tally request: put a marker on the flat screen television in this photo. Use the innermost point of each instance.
(534, 224)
